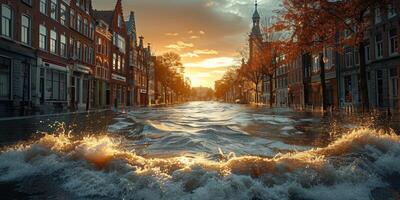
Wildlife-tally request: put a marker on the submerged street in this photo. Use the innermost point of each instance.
(200, 150)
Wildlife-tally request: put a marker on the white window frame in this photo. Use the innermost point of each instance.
(6, 22)
(63, 14)
(43, 36)
(63, 46)
(54, 9)
(43, 7)
(26, 30)
(53, 42)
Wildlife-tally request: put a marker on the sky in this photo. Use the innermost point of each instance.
(208, 34)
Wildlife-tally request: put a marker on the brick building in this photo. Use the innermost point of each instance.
(118, 83)
(52, 69)
(383, 63)
(103, 38)
(18, 67)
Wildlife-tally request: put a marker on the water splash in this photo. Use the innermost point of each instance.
(99, 166)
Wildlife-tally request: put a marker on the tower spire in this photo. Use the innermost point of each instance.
(256, 31)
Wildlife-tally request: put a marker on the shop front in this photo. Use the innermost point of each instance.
(80, 87)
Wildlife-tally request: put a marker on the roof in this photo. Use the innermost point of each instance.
(105, 15)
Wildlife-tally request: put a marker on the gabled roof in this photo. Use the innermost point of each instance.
(105, 15)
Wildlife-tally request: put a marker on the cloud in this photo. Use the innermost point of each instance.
(194, 37)
(190, 32)
(171, 34)
(189, 55)
(196, 53)
(179, 45)
(202, 32)
(206, 52)
(214, 63)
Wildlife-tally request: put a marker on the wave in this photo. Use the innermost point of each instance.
(359, 165)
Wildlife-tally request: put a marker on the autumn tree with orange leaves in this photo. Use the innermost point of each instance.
(319, 24)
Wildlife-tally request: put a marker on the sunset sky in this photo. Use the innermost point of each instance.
(207, 33)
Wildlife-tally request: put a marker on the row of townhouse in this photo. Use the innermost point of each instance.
(342, 75)
(298, 84)
(61, 55)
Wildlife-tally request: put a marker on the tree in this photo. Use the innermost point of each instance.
(319, 24)
(169, 71)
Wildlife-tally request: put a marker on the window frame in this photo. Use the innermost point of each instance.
(45, 36)
(43, 4)
(9, 19)
(28, 29)
(55, 40)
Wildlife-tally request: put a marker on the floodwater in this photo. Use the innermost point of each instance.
(206, 150)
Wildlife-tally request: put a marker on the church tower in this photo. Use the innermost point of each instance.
(255, 39)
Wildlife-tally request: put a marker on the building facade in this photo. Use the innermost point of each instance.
(18, 58)
(383, 63)
(119, 71)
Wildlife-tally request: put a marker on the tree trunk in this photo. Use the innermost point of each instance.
(323, 83)
(256, 93)
(363, 78)
(271, 95)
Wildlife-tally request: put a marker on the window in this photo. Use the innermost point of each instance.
(119, 41)
(348, 59)
(356, 57)
(26, 29)
(91, 55)
(78, 3)
(91, 31)
(63, 46)
(72, 19)
(63, 14)
(119, 21)
(379, 45)
(43, 6)
(99, 46)
(367, 53)
(42, 37)
(347, 89)
(86, 51)
(378, 16)
(119, 62)
(53, 41)
(393, 41)
(53, 9)
(391, 11)
(122, 63)
(114, 61)
(6, 20)
(56, 86)
(5, 79)
(316, 64)
(79, 50)
(72, 51)
(85, 27)
(79, 24)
